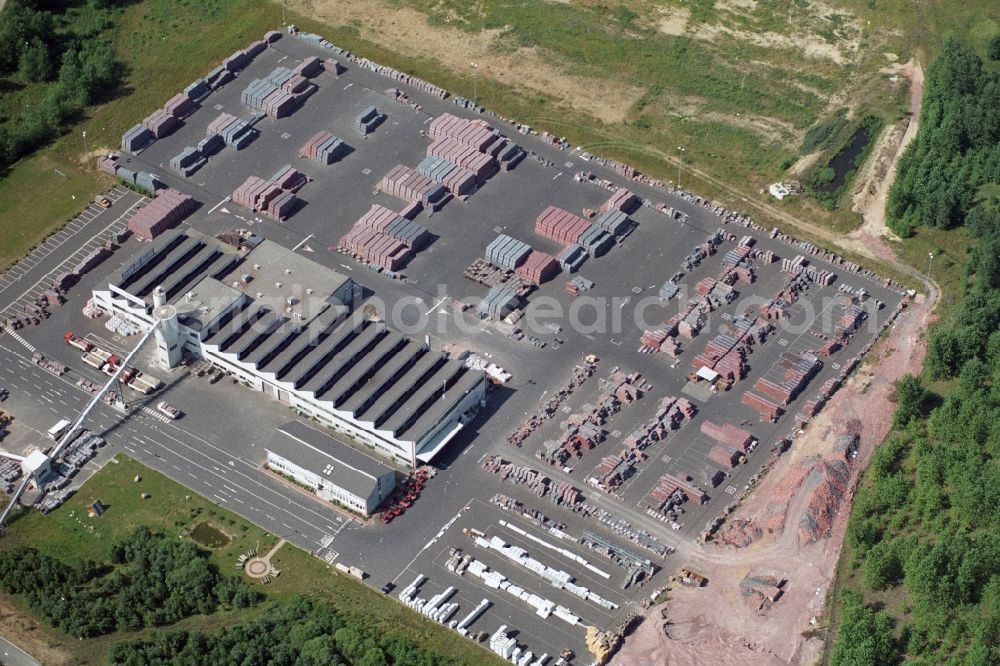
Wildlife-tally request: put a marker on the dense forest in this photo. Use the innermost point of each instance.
(925, 527)
(56, 59)
(153, 581)
(296, 633)
(957, 149)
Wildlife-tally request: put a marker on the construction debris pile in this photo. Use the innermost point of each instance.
(546, 410)
(760, 591)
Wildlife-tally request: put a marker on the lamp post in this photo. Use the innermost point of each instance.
(680, 159)
(930, 258)
(84, 143)
(475, 80)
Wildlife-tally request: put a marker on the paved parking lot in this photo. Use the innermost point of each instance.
(221, 457)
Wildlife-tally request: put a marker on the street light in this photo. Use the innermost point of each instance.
(475, 77)
(84, 143)
(930, 258)
(680, 158)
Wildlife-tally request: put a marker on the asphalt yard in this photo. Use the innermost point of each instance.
(215, 449)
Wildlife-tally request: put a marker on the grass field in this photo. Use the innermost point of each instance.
(68, 533)
(34, 198)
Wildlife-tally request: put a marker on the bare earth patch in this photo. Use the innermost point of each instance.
(407, 31)
(791, 527)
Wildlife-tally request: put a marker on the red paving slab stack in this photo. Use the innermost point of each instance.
(235, 62)
(560, 225)
(179, 106)
(653, 339)
(164, 212)
(223, 121)
(265, 197)
(333, 67)
(476, 134)
(375, 247)
(407, 184)
(622, 200)
(538, 267)
(724, 455)
(310, 67)
(290, 179)
(693, 492)
(296, 84)
(762, 405)
(161, 123)
(254, 49)
(728, 434)
(464, 156)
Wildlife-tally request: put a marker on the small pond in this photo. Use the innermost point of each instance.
(843, 162)
(207, 535)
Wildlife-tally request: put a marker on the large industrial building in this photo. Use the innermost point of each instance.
(283, 325)
(334, 471)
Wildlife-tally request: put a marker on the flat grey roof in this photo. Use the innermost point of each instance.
(209, 298)
(318, 452)
(270, 264)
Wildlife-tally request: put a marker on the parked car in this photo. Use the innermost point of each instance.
(168, 409)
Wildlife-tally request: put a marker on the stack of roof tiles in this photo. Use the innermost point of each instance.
(265, 197)
(164, 212)
(724, 455)
(161, 123)
(210, 145)
(384, 238)
(796, 370)
(391, 223)
(218, 77)
(271, 36)
(323, 147)
(198, 90)
(136, 138)
(728, 434)
(726, 353)
(179, 106)
(464, 156)
(614, 221)
(187, 161)
(375, 247)
(236, 61)
(669, 484)
(565, 227)
(235, 132)
(571, 257)
(368, 120)
(407, 184)
(289, 179)
(459, 181)
(497, 302)
(766, 407)
(507, 252)
(622, 200)
(279, 94)
(477, 135)
(538, 267)
(309, 67)
(141, 179)
(333, 66)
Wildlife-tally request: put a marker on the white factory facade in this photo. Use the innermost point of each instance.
(282, 325)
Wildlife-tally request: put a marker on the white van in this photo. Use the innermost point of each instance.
(58, 430)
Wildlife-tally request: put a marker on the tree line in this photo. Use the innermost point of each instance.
(957, 149)
(152, 581)
(299, 632)
(62, 48)
(925, 522)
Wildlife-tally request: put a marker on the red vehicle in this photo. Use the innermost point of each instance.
(75, 340)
